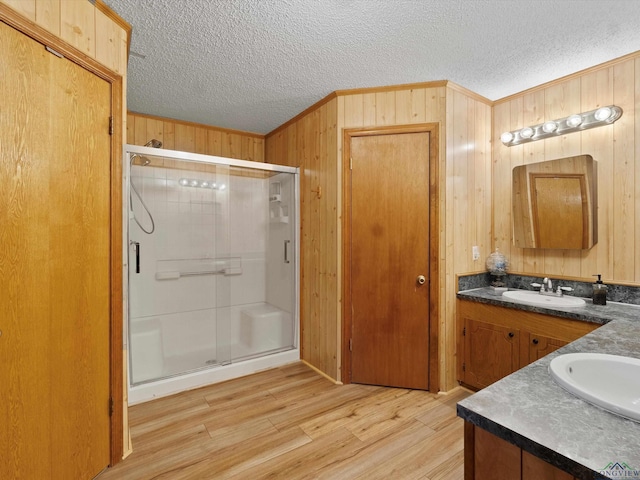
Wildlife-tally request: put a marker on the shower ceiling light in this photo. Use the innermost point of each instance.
(553, 128)
(190, 182)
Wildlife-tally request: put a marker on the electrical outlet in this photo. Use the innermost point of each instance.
(475, 252)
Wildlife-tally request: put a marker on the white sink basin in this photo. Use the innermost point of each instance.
(528, 297)
(611, 382)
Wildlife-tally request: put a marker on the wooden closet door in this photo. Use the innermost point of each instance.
(54, 264)
(389, 252)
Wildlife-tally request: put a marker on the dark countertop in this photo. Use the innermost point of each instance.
(530, 410)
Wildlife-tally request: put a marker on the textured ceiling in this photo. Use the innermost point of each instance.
(254, 64)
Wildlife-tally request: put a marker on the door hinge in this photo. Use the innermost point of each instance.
(464, 367)
(351, 344)
(464, 331)
(110, 125)
(52, 51)
(110, 406)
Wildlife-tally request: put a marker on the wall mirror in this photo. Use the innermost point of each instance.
(555, 204)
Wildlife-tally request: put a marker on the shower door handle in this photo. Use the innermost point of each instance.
(136, 248)
(286, 251)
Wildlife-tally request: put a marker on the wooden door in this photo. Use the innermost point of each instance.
(389, 250)
(55, 175)
(491, 352)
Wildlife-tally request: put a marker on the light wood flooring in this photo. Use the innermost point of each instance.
(292, 423)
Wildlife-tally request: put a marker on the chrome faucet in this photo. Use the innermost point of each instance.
(546, 288)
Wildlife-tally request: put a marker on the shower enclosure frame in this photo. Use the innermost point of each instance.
(199, 378)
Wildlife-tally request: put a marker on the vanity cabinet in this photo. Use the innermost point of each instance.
(487, 456)
(494, 341)
(490, 352)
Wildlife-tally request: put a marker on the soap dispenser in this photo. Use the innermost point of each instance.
(599, 292)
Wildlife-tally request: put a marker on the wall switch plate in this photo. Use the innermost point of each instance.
(475, 252)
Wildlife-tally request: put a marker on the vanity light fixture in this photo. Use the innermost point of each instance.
(574, 120)
(526, 132)
(553, 128)
(549, 127)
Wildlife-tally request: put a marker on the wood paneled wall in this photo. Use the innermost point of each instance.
(194, 137)
(615, 148)
(466, 181)
(310, 142)
(97, 34)
(313, 141)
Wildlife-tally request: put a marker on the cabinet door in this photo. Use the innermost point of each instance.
(534, 468)
(494, 458)
(540, 345)
(491, 352)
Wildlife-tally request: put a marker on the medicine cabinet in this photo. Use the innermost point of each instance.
(555, 204)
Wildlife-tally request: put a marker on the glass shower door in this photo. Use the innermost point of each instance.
(212, 263)
(177, 268)
(262, 232)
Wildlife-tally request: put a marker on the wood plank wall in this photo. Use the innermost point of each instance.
(194, 137)
(82, 25)
(313, 141)
(99, 34)
(310, 142)
(466, 183)
(615, 148)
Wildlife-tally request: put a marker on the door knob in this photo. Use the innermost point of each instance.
(421, 279)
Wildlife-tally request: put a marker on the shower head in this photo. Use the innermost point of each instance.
(153, 143)
(144, 161)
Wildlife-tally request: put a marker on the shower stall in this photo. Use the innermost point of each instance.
(212, 269)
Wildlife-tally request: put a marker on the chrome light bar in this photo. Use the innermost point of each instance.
(553, 128)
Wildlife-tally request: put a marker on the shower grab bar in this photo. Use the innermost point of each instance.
(286, 251)
(193, 274)
(176, 268)
(173, 275)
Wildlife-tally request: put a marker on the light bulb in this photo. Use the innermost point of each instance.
(549, 127)
(602, 114)
(193, 183)
(574, 120)
(223, 186)
(204, 184)
(506, 137)
(214, 186)
(184, 182)
(526, 132)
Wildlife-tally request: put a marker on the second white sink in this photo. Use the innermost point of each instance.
(609, 381)
(527, 297)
